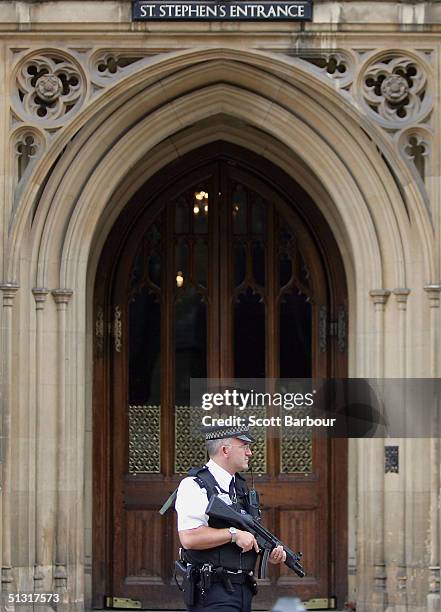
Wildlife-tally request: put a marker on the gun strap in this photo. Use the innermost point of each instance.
(169, 502)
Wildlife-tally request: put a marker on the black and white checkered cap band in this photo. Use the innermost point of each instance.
(219, 433)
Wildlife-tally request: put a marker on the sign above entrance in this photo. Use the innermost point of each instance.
(181, 10)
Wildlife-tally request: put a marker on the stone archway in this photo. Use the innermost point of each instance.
(280, 94)
(66, 208)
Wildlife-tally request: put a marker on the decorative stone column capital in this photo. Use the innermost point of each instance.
(401, 294)
(379, 297)
(433, 293)
(62, 296)
(40, 294)
(9, 292)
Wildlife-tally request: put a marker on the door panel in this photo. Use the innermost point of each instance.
(222, 278)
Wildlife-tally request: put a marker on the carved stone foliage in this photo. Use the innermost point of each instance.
(50, 87)
(395, 91)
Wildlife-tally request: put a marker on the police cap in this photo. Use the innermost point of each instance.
(219, 432)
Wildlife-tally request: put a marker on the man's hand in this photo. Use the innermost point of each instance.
(278, 555)
(246, 541)
(203, 537)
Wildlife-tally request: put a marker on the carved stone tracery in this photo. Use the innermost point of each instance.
(50, 87)
(394, 91)
(106, 66)
(26, 148)
(416, 150)
(338, 66)
(27, 145)
(109, 64)
(414, 145)
(335, 64)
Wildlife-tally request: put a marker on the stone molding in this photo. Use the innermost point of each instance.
(379, 297)
(62, 296)
(40, 295)
(9, 291)
(401, 296)
(433, 293)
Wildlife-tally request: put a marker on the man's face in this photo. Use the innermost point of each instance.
(239, 454)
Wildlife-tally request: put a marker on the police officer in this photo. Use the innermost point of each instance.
(229, 554)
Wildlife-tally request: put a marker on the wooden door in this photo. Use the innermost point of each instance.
(219, 276)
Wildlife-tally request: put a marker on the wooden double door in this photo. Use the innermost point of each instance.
(220, 267)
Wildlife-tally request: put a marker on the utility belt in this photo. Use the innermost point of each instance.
(199, 579)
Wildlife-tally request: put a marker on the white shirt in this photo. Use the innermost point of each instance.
(192, 501)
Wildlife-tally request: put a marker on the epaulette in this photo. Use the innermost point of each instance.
(196, 470)
(205, 479)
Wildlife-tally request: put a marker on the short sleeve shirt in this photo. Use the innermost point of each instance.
(191, 499)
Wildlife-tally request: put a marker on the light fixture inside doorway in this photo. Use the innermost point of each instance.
(179, 279)
(200, 202)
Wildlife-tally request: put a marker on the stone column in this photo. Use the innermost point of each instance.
(433, 595)
(401, 296)
(9, 292)
(61, 298)
(40, 295)
(375, 466)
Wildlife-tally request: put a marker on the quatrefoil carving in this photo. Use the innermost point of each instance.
(395, 91)
(50, 88)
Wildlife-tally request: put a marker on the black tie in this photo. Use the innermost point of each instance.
(232, 491)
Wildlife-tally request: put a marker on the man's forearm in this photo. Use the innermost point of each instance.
(202, 538)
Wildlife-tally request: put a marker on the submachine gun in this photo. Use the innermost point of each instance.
(266, 541)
